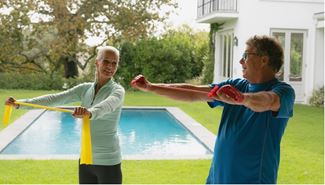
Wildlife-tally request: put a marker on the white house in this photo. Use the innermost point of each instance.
(298, 24)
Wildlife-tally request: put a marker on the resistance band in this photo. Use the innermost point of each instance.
(7, 114)
(86, 154)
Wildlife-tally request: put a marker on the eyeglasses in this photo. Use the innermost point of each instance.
(245, 55)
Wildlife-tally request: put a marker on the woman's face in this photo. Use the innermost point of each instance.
(107, 66)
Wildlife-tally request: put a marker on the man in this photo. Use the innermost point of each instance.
(255, 114)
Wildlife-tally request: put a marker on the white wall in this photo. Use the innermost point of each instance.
(319, 59)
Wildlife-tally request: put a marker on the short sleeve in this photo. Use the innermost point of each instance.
(287, 99)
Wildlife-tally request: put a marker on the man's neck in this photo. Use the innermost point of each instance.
(263, 77)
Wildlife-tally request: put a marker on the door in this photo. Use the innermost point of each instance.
(224, 55)
(293, 69)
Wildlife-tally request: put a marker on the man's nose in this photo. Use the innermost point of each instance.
(242, 61)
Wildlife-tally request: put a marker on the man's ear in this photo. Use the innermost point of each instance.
(265, 60)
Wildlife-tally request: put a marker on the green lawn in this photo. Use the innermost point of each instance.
(302, 150)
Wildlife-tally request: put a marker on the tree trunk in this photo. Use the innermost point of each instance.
(70, 66)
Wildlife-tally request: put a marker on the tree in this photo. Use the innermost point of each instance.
(41, 35)
(175, 57)
(209, 64)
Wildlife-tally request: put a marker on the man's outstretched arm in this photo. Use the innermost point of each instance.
(258, 102)
(181, 92)
(262, 101)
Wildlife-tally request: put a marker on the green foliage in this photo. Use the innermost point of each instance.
(317, 98)
(209, 63)
(177, 56)
(71, 82)
(30, 81)
(41, 35)
(296, 51)
(39, 81)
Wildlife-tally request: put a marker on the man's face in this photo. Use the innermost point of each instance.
(107, 66)
(251, 64)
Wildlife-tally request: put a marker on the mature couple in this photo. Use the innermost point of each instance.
(247, 148)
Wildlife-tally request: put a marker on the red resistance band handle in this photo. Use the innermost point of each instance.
(213, 91)
(141, 80)
(230, 91)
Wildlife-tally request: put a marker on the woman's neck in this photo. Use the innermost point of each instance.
(100, 84)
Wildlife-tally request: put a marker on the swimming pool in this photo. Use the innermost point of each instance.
(146, 133)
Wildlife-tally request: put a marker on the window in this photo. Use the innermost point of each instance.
(292, 42)
(281, 38)
(296, 56)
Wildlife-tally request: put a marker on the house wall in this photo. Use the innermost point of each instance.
(258, 17)
(319, 59)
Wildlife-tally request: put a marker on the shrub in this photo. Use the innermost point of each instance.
(174, 58)
(317, 99)
(37, 81)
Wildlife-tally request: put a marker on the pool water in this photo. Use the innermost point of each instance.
(147, 132)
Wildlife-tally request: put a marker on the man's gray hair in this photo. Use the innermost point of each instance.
(104, 49)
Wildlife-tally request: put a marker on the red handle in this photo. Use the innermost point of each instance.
(232, 92)
(228, 90)
(141, 80)
(213, 91)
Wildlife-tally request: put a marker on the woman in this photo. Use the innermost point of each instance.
(102, 101)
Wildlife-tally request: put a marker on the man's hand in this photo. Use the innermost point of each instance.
(80, 112)
(231, 92)
(140, 82)
(227, 94)
(213, 92)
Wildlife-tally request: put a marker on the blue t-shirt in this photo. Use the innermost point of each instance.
(247, 148)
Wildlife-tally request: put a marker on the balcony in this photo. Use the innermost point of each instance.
(210, 11)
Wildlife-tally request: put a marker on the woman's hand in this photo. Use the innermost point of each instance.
(80, 112)
(11, 101)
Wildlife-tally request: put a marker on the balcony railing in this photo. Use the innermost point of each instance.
(208, 6)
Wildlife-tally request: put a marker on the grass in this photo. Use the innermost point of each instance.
(134, 172)
(303, 147)
(302, 150)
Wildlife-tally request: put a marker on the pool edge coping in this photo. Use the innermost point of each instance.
(13, 130)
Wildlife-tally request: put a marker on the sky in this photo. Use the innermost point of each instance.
(186, 14)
